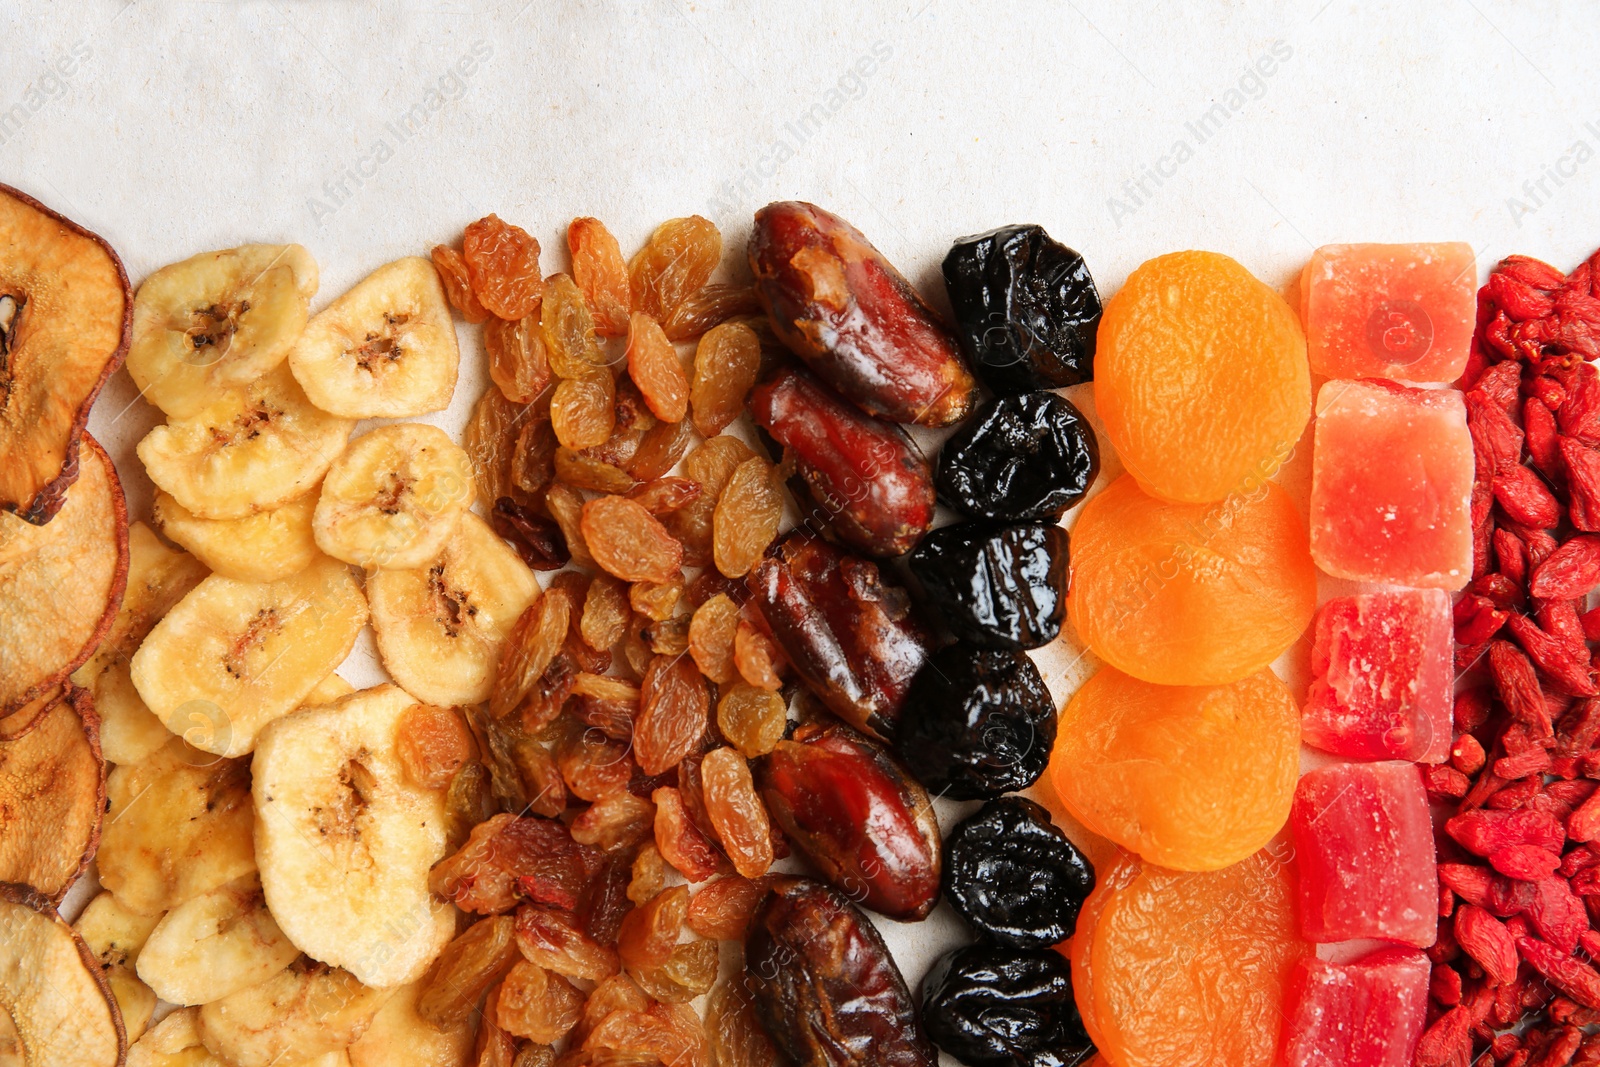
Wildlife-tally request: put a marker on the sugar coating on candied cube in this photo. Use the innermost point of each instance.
(1364, 843)
(1390, 311)
(1381, 677)
(1391, 485)
(1365, 1013)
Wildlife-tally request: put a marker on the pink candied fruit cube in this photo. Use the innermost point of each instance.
(1364, 843)
(1382, 674)
(1391, 485)
(1366, 1013)
(1390, 311)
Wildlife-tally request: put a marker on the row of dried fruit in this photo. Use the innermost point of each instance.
(638, 728)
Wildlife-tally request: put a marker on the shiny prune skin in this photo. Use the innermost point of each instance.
(1026, 309)
(1022, 458)
(869, 482)
(825, 987)
(978, 723)
(1014, 876)
(850, 636)
(857, 815)
(992, 1006)
(839, 305)
(999, 586)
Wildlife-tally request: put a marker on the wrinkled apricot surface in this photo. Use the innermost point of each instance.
(1190, 777)
(1190, 594)
(1200, 377)
(1187, 970)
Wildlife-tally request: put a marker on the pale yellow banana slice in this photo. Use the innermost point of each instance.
(394, 498)
(441, 626)
(217, 943)
(385, 349)
(115, 935)
(399, 1037)
(327, 691)
(345, 840)
(173, 1042)
(158, 577)
(263, 547)
(304, 1012)
(233, 656)
(254, 449)
(217, 321)
(179, 823)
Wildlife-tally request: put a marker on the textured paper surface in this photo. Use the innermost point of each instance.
(374, 130)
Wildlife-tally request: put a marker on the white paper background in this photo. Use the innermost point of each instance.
(180, 127)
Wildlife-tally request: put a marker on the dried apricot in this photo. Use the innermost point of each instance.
(674, 263)
(1191, 777)
(503, 264)
(1190, 594)
(602, 274)
(628, 542)
(457, 286)
(1200, 377)
(726, 363)
(752, 719)
(654, 367)
(746, 517)
(517, 360)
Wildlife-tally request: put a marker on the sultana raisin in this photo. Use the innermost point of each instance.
(602, 274)
(571, 344)
(605, 688)
(457, 286)
(586, 470)
(593, 765)
(711, 633)
(663, 495)
(688, 973)
(733, 1031)
(566, 507)
(472, 963)
(660, 449)
(495, 1047)
(517, 360)
(726, 363)
(534, 641)
(721, 910)
(546, 792)
(656, 600)
(636, 652)
(628, 542)
(433, 744)
(533, 457)
(581, 410)
(736, 810)
(503, 265)
(536, 1004)
(654, 366)
(649, 874)
(468, 801)
(617, 993)
(709, 582)
(548, 939)
(531, 1055)
(752, 719)
(676, 261)
(708, 307)
(674, 706)
(662, 1034)
(616, 820)
(746, 517)
(649, 932)
(605, 612)
(489, 439)
(538, 540)
(711, 465)
(756, 657)
(681, 843)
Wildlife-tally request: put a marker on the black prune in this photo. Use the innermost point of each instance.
(978, 722)
(996, 586)
(1014, 876)
(1026, 307)
(825, 987)
(1003, 1007)
(1022, 458)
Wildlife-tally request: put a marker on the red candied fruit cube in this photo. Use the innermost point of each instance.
(1382, 673)
(1364, 842)
(1366, 1013)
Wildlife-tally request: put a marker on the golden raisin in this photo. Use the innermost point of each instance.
(746, 517)
(569, 335)
(752, 719)
(722, 909)
(432, 744)
(605, 612)
(548, 939)
(537, 1005)
(616, 820)
(628, 542)
(660, 449)
(477, 959)
(489, 439)
(654, 367)
(734, 1032)
(688, 973)
(711, 465)
(602, 274)
(566, 507)
(581, 411)
(665, 494)
(649, 874)
(756, 657)
(517, 361)
(711, 633)
(534, 641)
(457, 286)
(533, 456)
(656, 600)
(674, 713)
(503, 264)
(593, 765)
(737, 812)
(726, 363)
(707, 307)
(681, 842)
(585, 470)
(676, 261)
(649, 932)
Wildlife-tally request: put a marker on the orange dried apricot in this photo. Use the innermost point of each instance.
(1200, 377)
(1191, 777)
(1190, 594)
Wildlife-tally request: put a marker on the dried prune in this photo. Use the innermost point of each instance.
(1026, 309)
(984, 723)
(1014, 876)
(992, 1006)
(825, 987)
(856, 814)
(868, 481)
(538, 540)
(834, 300)
(996, 586)
(1022, 458)
(849, 635)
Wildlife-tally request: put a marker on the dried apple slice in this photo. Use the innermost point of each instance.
(18, 722)
(61, 584)
(52, 794)
(116, 934)
(65, 313)
(56, 1009)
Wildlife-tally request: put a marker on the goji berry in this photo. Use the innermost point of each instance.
(1526, 863)
(1541, 437)
(1484, 832)
(1444, 782)
(1486, 940)
(1573, 977)
(1488, 422)
(1566, 664)
(1557, 914)
(1579, 414)
(1526, 498)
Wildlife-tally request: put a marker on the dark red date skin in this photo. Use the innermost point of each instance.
(871, 485)
(824, 985)
(850, 637)
(847, 312)
(852, 810)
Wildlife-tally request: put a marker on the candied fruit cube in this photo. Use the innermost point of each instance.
(1381, 677)
(1390, 311)
(1364, 842)
(1391, 485)
(1365, 1013)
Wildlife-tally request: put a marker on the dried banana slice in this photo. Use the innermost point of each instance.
(173, 1042)
(399, 1037)
(394, 498)
(233, 656)
(441, 626)
(385, 349)
(301, 1013)
(115, 935)
(218, 321)
(215, 944)
(263, 547)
